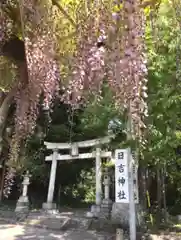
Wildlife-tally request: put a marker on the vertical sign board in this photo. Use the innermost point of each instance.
(121, 176)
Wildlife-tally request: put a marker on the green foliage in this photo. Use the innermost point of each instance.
(99, 112)
(163, 87)
(164, 100)
(83, 190)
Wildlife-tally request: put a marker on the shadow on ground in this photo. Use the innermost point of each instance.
(20, 232)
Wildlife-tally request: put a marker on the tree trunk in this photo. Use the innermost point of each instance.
(2, 181)
(5, 102)
(143, 187)
(164, 195)
(4, 110)
(159, 197)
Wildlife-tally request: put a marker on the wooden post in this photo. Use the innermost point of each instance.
(132, 212)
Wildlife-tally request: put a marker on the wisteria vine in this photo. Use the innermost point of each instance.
(128, 71)
(88, 68)
(38, 75)
(109, 45)
(42, 67)
(121, 60)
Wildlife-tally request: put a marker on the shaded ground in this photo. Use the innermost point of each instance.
(19, 232)
(68, 224)
(39, 225)
(23, 232)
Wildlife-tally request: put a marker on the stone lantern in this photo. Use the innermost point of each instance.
(106, 205)
(23, 201)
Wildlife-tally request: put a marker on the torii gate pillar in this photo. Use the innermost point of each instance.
(49, 204)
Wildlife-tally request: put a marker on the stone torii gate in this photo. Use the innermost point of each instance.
(98, 154)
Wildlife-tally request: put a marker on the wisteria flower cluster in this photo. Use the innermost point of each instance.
(42, 67)
(127, 69)
(119, 58)
(88, 67)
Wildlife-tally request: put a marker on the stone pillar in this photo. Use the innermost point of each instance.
(23, 202)
(49, 205)
(98, 177)
(95, 209)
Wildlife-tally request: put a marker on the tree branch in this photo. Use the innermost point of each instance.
(63, 11)
(150, 3)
